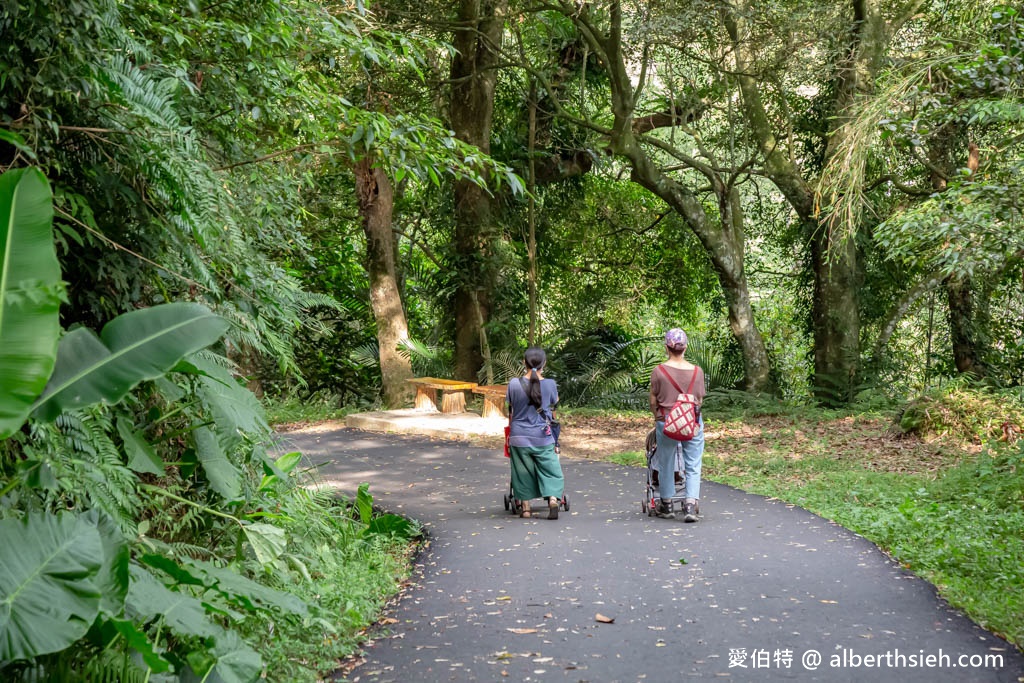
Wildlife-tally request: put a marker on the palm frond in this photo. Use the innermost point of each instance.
(718, 374)
(505, 366)
(367, 355)
(427, 360)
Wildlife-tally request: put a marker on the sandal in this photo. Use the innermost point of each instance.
(526, 512)
(553, 508)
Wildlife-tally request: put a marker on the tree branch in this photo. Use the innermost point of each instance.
(272, 155)
(900, 309)
(674, 115)
(905, 189)
(421, 245)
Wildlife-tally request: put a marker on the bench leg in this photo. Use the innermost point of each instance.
(425, 399)
(453, 402)
(493, 407)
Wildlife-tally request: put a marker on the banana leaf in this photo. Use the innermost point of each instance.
(49, 582)
(30, 293)
(132, 347)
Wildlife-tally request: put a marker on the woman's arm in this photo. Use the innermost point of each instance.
(508, 402)
(654, 395)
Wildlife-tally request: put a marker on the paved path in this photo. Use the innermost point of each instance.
(764, 583)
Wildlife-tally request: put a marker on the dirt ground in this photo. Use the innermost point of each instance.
(872, 441)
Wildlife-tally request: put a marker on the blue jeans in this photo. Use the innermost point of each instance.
(693, 456)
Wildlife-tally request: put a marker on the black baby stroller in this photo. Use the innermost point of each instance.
(515, 506)
(650, 502)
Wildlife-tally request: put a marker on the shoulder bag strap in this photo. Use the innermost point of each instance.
(525, 385)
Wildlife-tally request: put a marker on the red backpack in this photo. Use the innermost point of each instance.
(682, 422)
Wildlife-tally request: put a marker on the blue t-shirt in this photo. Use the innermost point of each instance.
(528, 427)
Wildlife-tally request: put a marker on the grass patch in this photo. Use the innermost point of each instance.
(295, 411)
(352, 586)
(629, 459)
(953, 516)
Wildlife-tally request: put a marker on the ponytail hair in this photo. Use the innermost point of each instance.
(535, 359)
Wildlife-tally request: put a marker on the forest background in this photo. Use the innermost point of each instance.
(311, 202)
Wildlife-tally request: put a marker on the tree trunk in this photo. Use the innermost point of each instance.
(477, 39)
(376, 206)
(835, 315)
(835, 310)
(962, 327)
(959, 295)
(531, 217)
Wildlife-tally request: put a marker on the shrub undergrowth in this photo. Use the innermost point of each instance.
(963, 410)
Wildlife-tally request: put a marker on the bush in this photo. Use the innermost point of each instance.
(963, 410)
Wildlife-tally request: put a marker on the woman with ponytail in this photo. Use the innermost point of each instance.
(536, 472)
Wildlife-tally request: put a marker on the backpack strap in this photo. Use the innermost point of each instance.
(675, 386)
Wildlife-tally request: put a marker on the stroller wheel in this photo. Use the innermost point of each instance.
(507, 503)
(565, 503)
(643, 505)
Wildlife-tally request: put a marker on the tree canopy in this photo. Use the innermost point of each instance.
(211, 201)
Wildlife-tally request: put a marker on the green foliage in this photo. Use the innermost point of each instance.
(970, 229)
(963, 411)
(291, 409)
(133, 347)
(30, 292)
(150, 601)
(112, 592)
(49, 583)
(603, 367)
(606, 368)
(427, 360)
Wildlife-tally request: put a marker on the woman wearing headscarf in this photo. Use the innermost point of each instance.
(536, 471)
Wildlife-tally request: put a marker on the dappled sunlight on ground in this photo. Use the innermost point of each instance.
(733, 445)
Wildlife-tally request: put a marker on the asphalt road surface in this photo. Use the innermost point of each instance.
(756, 591)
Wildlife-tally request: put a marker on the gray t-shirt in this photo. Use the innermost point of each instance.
(528, 427)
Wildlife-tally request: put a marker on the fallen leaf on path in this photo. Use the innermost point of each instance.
(521, 631)
(603, 619)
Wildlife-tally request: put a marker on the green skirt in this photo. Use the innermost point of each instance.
(536, 472)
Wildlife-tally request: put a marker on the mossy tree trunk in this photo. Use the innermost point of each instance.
(477, 40)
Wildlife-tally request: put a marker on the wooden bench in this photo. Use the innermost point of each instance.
(453, 401)
(494, 399)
